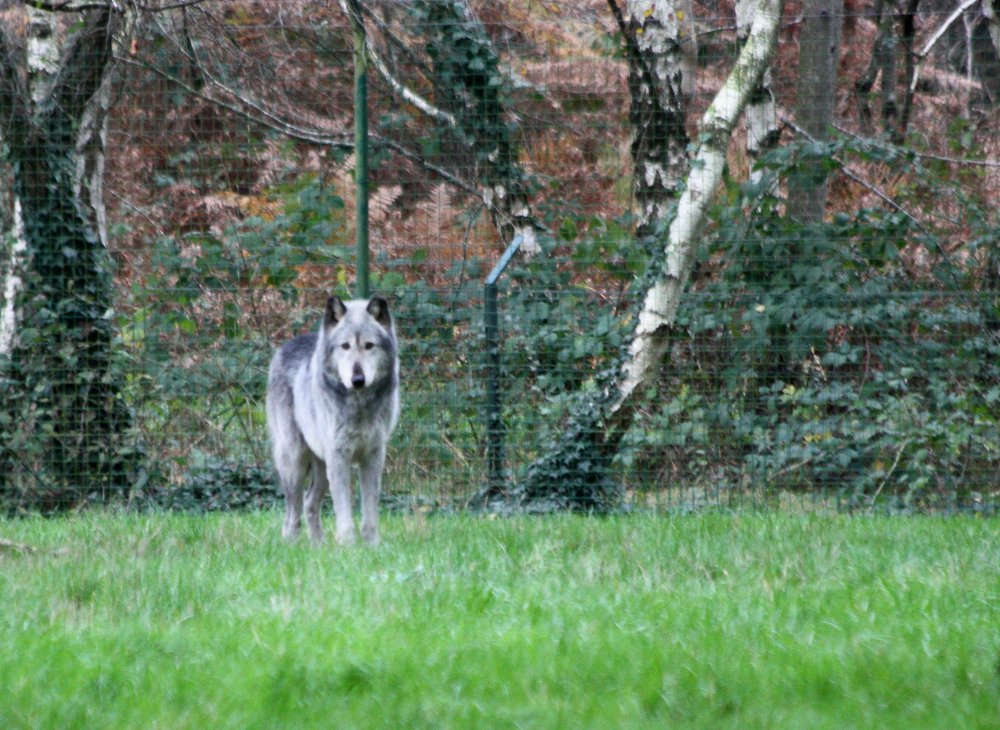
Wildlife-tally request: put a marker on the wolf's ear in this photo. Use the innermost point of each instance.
(335, 311)
(378, 308)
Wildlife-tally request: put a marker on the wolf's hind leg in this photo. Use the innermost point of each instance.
(291, 472)
(314, 500)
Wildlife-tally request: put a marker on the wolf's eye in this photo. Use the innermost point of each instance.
(346, 346)
(369, 345)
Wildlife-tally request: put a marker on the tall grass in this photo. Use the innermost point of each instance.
(113, 621)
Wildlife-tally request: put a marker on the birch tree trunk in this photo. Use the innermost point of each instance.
(761, 115)
(659, 140)
(991, 10)
(42, 61)
(13, 247)
(574, 473)
(649, 343)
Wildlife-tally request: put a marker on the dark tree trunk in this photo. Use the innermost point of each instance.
(819, 43)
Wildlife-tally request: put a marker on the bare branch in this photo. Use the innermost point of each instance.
(407, 94)
(845, 168)
(246, 107)
(116, 6)
(932, 41)
(921, 55)
(253, 111)
(915, 153)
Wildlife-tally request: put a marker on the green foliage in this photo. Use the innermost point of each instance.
(567, 353)
(833, 364)
(804, 357)
(466, 75)
(440, 344)
(199, 338)
(218, 485)
(556, 335)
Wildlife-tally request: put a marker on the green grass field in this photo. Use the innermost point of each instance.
(169, 621)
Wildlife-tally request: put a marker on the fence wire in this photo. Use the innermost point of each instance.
(178, 200)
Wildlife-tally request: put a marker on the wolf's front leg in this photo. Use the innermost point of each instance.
(371, 488)
(338, 473)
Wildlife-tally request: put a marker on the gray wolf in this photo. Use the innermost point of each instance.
(332, 402)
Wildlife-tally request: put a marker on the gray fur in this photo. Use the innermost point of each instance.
(332, 402)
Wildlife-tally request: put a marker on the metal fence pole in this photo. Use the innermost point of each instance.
(495, 435)
(360, 154)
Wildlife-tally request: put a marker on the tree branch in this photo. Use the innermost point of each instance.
(14, 117)
(921, 55)
(256, 114)
(117, 6)
(81, 71)
(407, 94)
(253, 111)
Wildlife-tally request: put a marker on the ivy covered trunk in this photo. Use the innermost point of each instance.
(64, 421)
(575, 472)
(469, 85)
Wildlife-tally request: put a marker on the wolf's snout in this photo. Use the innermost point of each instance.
(358, 377)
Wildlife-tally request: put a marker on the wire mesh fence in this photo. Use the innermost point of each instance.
(178, 199)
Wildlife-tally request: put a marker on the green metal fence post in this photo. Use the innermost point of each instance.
(495, 436)
(360, 152)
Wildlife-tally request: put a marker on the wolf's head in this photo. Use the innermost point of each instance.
(358, 342)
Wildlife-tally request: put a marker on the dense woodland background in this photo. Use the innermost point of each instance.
(177, 197)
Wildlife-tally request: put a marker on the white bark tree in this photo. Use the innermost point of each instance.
(761, 115)
(43, 49)
(991, 10)
(574, 472)
(650, 340)
(42, 63)
(654, 32)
